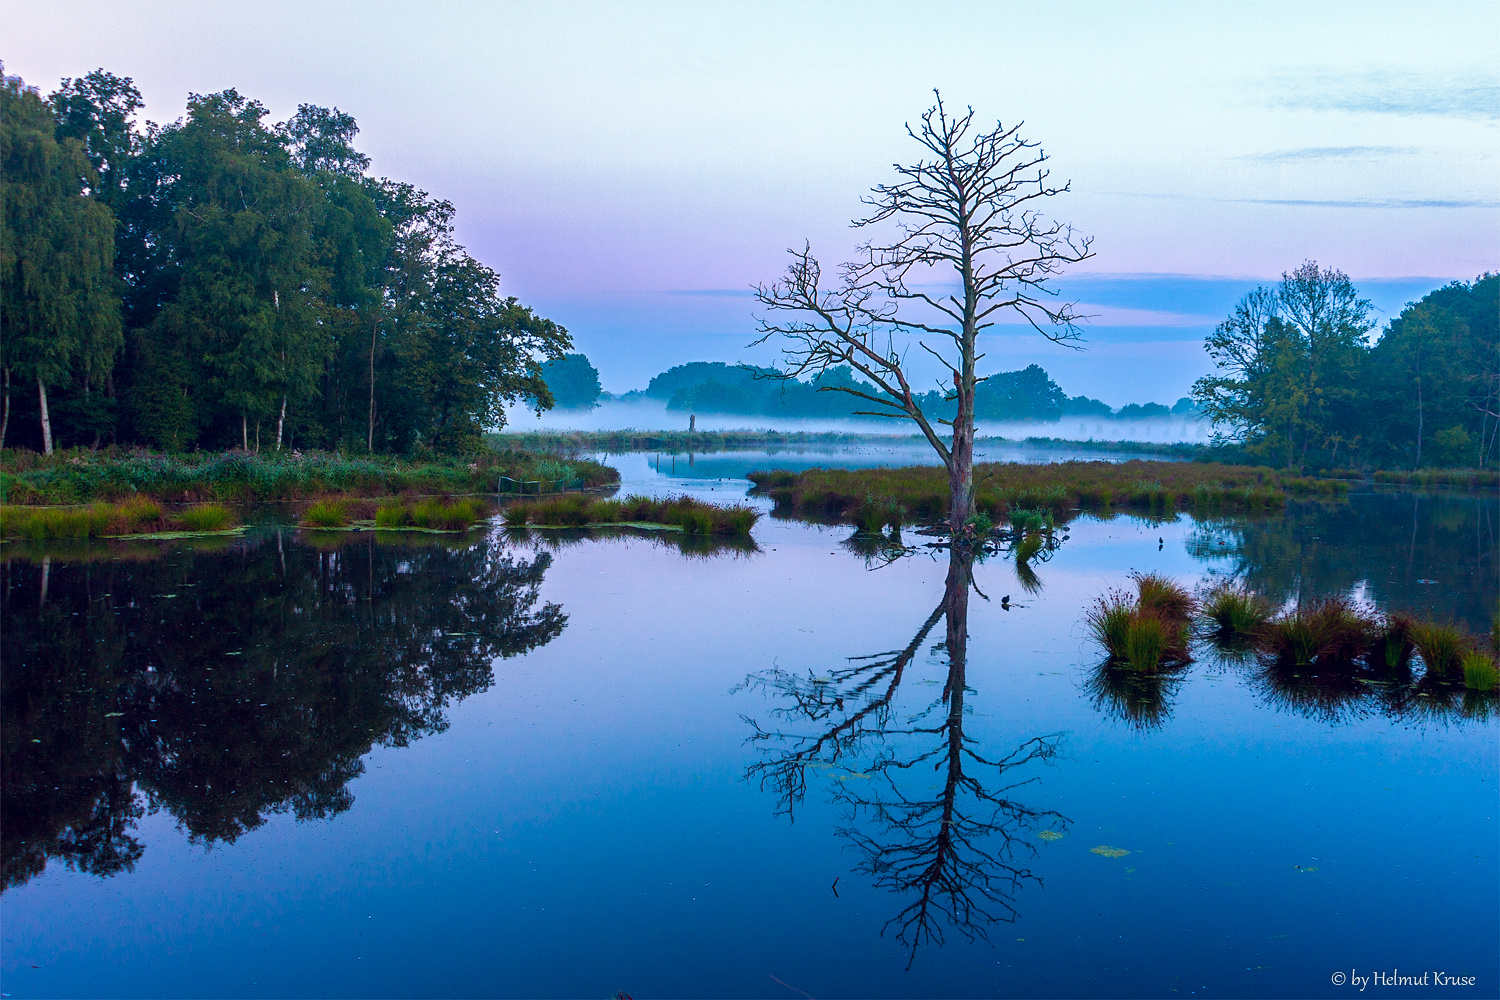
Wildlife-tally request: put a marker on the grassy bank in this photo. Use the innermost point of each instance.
(691, 516)
(920, 493)
(683, 442)
(81, 476)
(138, 516)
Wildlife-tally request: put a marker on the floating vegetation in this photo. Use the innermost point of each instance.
(1105, 851)
(136, 516)
(694, 517)
(1017, 493)
(1050, 835)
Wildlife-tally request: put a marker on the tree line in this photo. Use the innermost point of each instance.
(1300, 383)
(228, 281)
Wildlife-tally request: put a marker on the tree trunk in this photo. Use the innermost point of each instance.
(280, 421)
(41, 391)
(244, 433)
(1418, 465)
(370, 441)
(961, 460)
(5, 420)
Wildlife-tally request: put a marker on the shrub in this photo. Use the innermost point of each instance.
(206, 517)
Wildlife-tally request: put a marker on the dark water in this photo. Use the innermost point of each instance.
(555, 765)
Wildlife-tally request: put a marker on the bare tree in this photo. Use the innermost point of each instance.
(970, 210)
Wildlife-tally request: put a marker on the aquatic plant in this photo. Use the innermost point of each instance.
(694, 517)
(1480, 673)
(1391, 646)
(1329, 632)
(1142, 633)
(206, 517)
(1027, 548)
(1019, 494)
(1164, 597)
(1232, 615)
(1442, 647)
(326, 514)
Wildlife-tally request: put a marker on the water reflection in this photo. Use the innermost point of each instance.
(957, 850)
(231, 682)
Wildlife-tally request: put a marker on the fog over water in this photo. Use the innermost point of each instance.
(652, 415)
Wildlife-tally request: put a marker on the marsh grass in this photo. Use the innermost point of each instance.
(1232, 615)
(694, 517)
(80, 476)
(326, 514)
(136, 516)
(1145, 632)
(1329, 633)
(432, 513)
(1017, 493)
(1442, 647)
(1480, 673)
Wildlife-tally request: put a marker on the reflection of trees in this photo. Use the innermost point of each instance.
(229, 686)
(1387, 542)
(954, 848)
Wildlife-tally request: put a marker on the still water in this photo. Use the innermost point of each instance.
(534, 764)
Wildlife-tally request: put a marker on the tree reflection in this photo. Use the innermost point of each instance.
(956, 850)
(228, 686)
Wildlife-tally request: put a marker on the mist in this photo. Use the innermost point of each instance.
(653, 415)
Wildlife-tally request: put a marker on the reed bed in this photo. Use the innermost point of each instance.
(81, 476)
(693, 516)
(1462, 478)
(1060, 488)
(137, 516)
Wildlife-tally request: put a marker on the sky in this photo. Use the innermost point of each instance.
(632, 169)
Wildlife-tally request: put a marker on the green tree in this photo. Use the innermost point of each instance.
(574, 382)
(57, 295)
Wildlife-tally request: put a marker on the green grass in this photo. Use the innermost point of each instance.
(434, 514)
(1019, 494)
(1330, 632)
(693, 516)
(80, 476)
(137, 516)
(207, 517)
(326, 514)
(1234, 615)
(1147, 631)
(1480, 673)
(1442, 647)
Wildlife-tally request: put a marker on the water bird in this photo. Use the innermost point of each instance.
(1005, 602)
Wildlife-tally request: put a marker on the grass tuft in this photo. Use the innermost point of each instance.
(1480, 673)
(206, 517)
(1442, 647)
(326, 514)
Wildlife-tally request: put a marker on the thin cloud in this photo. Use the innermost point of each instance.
(1326, 202)
(1329, 153)
(1386, 93)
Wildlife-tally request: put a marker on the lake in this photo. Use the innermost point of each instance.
(532, 763)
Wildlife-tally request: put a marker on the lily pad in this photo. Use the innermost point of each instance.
(1104, 850)
(1050, 835)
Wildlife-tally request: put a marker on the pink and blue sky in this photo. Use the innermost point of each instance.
(632, 168)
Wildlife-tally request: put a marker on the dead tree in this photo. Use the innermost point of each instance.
(969, 210)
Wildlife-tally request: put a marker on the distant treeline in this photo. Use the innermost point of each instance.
(223, 280)
(744, 390)
(1299, 383)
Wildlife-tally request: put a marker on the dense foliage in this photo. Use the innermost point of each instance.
(715, 387)
(223, 280)
(574, 382)
(1299, 383)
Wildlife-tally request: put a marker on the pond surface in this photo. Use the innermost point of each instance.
(545, 764)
